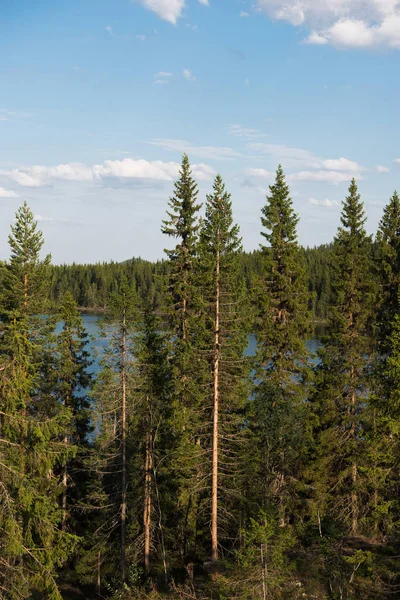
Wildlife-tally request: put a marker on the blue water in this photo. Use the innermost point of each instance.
(97, 343)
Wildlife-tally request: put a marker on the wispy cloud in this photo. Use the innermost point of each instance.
(109, 29)
(204, 152)
(204, 2)
(162, 78)
(261, 173)
(313, 168)
(243, 14)
(326, 203)
(332, 177)
(141, 37)
(245, 132)
(7, 193)
(188, 75)
(382, 169)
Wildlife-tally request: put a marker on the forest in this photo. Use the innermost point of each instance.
(182, 468)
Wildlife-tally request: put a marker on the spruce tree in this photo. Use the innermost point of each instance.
(280, 411)
(114, 404)
(187, 362)
(388, 268)
(32, 544)
(72, 381)
(225, 340)
(343, 377)
(150, 471)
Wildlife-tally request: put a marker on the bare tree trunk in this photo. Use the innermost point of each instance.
(354, 470)
(214, 510)
(123, 452)
(147, 497)
(64, 492)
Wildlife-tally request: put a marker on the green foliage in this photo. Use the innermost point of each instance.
(280, 415)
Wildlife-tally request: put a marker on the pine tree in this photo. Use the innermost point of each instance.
(388, 268)
(72, 381)
(280, 411)
(187, 363)
(150, 473)
(225, 341)
(114, 397)
(343, 376)
(32, 544)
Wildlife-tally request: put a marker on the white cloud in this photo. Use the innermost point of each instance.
(109, 29)
(382, 169)
(397, 161)
(162, 78)
(128, 168)
(331, 170)
(316, 38)
(327, 203)
(189, 76)
(262, 173)
(342, 164)
(7, 193)
(168, 10)
(243, 14)
(244, 132)
(290, 157)
(204, 152)
(342, 23)
(204, 2)
(333, 177)
(141, 37)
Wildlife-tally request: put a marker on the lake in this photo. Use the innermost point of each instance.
(92, 325)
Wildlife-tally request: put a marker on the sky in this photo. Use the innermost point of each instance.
(100, 98)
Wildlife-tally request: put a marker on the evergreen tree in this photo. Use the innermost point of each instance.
(32, 544)
(187, 363)
(225, 340)
(388, 267)
(343, 377)
(150, 470)
(114, 397)
(280, 411)
(72, 382)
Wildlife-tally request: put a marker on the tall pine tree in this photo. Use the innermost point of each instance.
(343, 377)
(32, 450)
(225, 340)
(280, 411)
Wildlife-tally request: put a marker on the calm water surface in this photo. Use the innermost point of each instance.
(92, 325)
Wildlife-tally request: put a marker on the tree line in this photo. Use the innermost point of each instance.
(184, 468)
(91, 285)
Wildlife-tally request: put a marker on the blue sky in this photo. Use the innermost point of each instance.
(99, 98)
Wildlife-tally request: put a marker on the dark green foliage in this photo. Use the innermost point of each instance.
(343, 378)
(280, 412)
(125, 483)
(32, 545)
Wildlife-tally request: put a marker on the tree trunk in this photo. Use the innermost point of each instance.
(214, 511)
(64, 492)
(354, 470)
(147, 497)
(123, 452)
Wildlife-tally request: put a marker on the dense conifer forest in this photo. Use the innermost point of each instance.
(183, 468)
